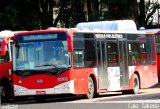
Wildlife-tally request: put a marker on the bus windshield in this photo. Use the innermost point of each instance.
(41, 51)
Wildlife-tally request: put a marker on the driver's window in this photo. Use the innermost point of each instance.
(4, 59)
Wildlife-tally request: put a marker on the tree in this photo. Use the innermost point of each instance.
(8, 15)
(142, 13)
(45, 11)
(41, 14)
(150, 13)
(14, 15)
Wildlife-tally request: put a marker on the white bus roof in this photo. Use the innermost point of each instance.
(108, 31)
(117, 25)
(151, 30)
(6, 33)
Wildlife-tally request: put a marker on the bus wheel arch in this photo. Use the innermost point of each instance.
(95, 85)
(4, 81)
(137, 73)
(136, 83)
(5, 89)
(92, 87)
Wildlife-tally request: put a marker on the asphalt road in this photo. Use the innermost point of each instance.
(146, 99)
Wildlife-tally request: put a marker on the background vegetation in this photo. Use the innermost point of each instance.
(41, 14)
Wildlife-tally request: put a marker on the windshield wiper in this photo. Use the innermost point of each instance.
(52, 71)
(56, 70)
(24, 72)
(48, 65)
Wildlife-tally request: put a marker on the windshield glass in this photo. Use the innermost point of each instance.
(41, 51)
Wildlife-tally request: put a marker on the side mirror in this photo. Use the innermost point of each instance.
(4, 34)
(3, 48)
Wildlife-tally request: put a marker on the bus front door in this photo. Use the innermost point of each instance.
(123, 62)
(102, 64)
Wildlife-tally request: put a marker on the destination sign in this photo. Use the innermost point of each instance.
(104, 36)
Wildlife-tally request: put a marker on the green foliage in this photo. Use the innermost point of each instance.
(8, 17)
(18, 15)
(38, 14)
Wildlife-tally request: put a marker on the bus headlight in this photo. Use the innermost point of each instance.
(19, 90)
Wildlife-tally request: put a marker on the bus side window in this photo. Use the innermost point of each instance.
(158, 48)
(158, 43)
(133, 53)
(112, 54)
(89, 54)
(78, 58)
(143, 53)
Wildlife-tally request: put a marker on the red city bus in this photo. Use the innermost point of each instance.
(80, 62)
(156, 33)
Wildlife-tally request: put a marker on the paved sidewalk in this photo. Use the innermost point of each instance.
(156, 86)
(154, 89)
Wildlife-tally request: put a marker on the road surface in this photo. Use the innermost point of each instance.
(146, 99)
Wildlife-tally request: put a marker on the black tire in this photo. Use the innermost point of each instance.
(96, 95)
(91, 89)
(0, 95)
(40, 98)
(4, 95)
(136, 86)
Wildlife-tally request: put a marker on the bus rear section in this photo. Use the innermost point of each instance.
(156, 33)
(157, 38)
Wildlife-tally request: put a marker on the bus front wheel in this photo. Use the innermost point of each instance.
(4, 95)
(91, 89)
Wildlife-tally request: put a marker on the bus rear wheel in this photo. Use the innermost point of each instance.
(91, 89)
(136, 86)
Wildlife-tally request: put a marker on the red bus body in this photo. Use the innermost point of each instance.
(22, 81)
(156, 33)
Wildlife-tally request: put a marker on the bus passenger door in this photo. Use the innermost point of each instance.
(102, 65)
(123, 62)
(113, 65)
